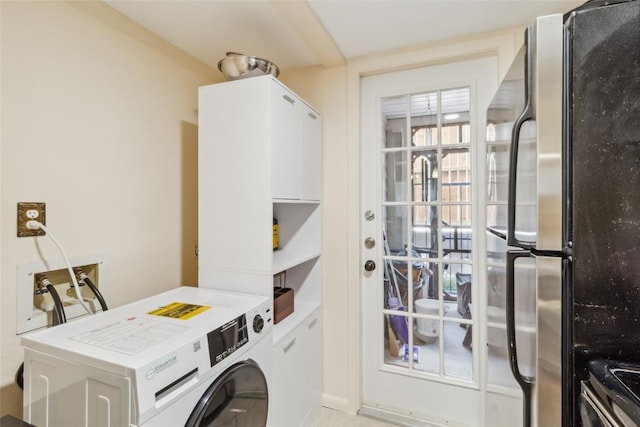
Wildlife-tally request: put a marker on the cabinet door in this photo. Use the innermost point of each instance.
(296, 382)
(287, 398)
(313, 356)
(310, 153)
(285, 151)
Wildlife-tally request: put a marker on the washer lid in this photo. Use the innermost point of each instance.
(143, 332)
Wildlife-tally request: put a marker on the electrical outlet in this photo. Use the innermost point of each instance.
(28, 211)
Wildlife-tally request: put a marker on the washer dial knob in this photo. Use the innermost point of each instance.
(258, 323)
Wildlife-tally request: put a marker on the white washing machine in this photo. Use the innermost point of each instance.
(186, 357)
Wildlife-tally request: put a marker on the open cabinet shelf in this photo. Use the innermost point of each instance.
(299, 234)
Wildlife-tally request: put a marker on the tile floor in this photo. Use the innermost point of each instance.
(332, 418)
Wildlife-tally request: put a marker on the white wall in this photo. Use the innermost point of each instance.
(326, 90)
(98, 120)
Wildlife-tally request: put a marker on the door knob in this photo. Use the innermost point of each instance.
(369, 265)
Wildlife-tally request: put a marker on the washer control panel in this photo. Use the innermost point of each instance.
(228, 338)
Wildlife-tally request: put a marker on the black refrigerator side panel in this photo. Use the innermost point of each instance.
(604, 138)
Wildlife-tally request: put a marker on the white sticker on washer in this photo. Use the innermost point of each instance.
(130, 336)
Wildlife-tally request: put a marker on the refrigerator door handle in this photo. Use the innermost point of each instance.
(498, 233)
(527, 114)
(525, 382)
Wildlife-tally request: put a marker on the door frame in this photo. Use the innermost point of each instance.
(503, 46)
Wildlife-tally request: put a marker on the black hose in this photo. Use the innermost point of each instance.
(96, 292)
(59, 316)
(20, 376)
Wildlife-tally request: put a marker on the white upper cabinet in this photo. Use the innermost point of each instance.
(296, 152)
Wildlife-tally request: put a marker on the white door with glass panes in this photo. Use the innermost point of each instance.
(422, 148)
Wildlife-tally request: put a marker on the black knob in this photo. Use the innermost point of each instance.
(258, 323)
(369, 265)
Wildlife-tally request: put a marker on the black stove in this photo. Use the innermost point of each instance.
(613, 392)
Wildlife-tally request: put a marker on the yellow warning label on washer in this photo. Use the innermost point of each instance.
(179, 310)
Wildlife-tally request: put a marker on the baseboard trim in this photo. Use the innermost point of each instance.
(337, 403)
(395, 418)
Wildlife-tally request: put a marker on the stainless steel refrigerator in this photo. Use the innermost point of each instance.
(563, 210)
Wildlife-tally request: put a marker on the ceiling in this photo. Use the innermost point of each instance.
(302, 33)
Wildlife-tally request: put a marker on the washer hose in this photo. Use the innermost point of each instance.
(82, 277)
(59, 317)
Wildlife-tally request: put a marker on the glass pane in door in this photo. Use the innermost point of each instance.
(424, 119)
(456, 286)
(425, 230)
(456, 175)
(394, 331)
(455, 116)
(424, 175)
(457, 346)
(456, 231)
(395, 220)
(427, 340)
(394, 235)
(394, 117)
(394, 171)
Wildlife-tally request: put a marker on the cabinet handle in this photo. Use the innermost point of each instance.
(289, 99)
(288, 346)
(312, 323)
(313, 116)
